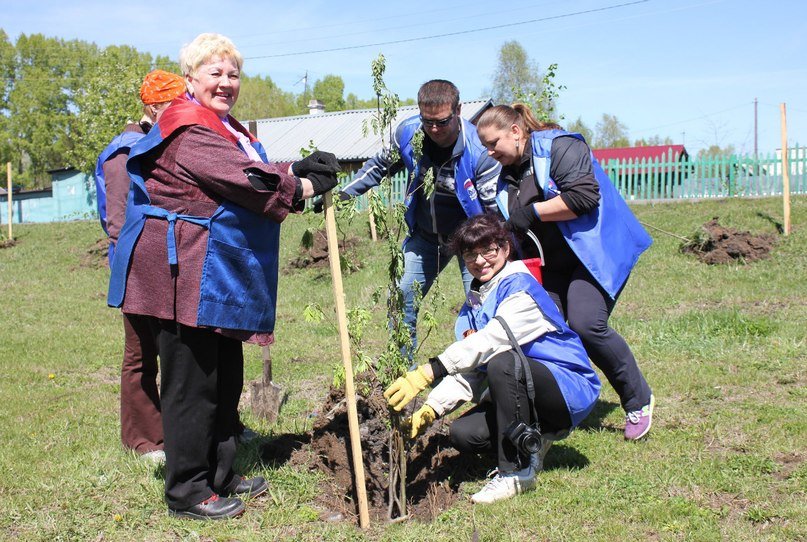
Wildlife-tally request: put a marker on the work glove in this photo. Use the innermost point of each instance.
(419, 422)
(320, 203)
(522, 219)
(406, 388)
(322, 182)
(316, 162)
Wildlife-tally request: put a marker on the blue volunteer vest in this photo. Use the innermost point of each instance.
(560, 351)
(122, 142)
(464, 169)
(238, 287)
(609, 239)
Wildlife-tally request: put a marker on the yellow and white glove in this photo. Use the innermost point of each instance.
(406, 388)
(420, 421)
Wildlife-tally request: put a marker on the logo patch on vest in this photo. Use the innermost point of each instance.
(470, 188)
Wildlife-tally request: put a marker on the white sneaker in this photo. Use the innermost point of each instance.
(505, 485)
(155, 456)
(537, 459)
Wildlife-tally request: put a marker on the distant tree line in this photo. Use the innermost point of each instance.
(517, 78)
(62, 101)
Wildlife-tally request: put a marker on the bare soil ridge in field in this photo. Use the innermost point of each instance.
(434, 469)
(96, 256)
(716, 244)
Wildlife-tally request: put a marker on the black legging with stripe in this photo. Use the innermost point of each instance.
(480, 430)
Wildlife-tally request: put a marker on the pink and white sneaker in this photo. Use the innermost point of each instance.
(638, 422)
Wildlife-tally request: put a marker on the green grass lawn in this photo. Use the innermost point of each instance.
(722, 346)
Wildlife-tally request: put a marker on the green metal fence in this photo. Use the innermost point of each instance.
(713, 177)
(670, 179)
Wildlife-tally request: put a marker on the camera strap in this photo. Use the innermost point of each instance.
(520, 360)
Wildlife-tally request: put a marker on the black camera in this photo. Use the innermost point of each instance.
(526, 438)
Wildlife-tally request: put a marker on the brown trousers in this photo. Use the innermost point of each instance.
(140, 419)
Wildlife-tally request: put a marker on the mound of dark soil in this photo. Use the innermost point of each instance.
(434, 469)
(8, 243)
(716, 244)
(95, 257)
(317, 255)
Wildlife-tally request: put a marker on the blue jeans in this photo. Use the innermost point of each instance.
(423, 261)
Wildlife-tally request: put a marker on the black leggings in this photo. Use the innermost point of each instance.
(480, 430)
(587, 308)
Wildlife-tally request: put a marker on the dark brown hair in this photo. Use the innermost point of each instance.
(479, 231)
(439, 92)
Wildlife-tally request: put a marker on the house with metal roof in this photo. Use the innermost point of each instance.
(668, 154)
(347, 134)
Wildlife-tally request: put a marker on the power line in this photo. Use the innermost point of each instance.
(384, 31)
(707, 115)
(789, 108)
(341, 25)
(407, 40)
(449, 34)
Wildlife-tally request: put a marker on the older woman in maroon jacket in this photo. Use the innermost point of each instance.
(198, 256)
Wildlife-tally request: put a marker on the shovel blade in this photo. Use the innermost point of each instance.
(266, 400)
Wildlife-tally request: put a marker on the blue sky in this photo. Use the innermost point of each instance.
(687, 69)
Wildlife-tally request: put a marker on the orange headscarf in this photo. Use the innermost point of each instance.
(160, 86)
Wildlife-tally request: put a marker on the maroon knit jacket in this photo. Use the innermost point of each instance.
(192, 172)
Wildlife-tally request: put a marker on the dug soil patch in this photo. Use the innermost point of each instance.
(317, 254)
(434, 469)
(716, 244)
(96, 257)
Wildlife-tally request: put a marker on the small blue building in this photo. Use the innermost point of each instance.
(70, 197)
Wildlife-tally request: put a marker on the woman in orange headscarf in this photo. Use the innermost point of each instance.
(141, 423)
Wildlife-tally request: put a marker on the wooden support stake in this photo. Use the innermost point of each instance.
(373, 234)
(785, 171)
(8, 198)
(344, 341)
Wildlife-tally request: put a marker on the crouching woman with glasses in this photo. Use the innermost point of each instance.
(530, 401)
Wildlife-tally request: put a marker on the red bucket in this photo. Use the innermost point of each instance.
(535, 264)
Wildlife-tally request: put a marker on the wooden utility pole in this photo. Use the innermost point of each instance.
(785, 171)
(756, 131)
(344, 341)
(8, 198)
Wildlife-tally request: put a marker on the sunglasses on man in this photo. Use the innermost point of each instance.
(428, 123)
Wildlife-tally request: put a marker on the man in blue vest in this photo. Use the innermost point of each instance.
(465, 179)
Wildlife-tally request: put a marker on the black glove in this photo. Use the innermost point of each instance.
(320, 203)
(522, 219)
(316, 162)
(322, 182)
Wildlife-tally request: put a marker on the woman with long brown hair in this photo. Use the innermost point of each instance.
(555, 189)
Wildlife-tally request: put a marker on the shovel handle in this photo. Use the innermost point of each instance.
(267, 364)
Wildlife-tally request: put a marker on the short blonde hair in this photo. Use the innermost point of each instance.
(203, 48)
